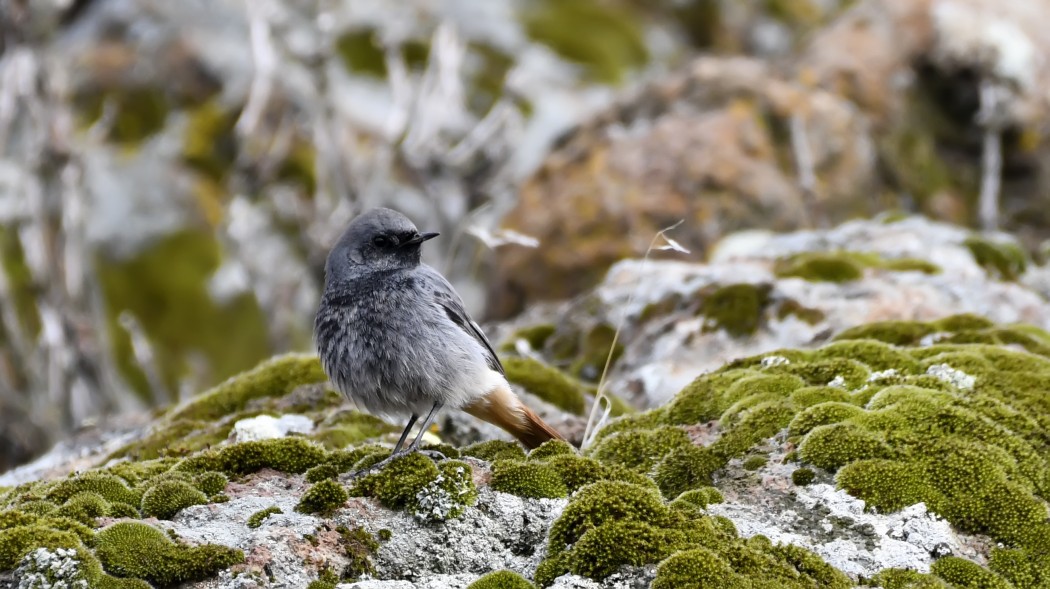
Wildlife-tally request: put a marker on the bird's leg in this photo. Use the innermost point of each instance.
(426, 425)
(414, 447)
(404, 434)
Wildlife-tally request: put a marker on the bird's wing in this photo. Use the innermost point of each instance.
(445, 296)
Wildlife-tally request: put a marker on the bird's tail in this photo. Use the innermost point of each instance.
(502, 408)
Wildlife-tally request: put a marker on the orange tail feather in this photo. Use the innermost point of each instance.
(502, 408)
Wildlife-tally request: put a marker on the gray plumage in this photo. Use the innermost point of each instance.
(391, 332)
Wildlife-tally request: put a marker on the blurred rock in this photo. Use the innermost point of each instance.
(717, 147)
(916, 68)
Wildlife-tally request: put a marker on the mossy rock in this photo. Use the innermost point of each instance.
(736, 308)
(413, 483)
(324, 498)
(131, 549)
(844, 266)
(1002, 260)
(502, 580)
(970, 445)
(527, 479)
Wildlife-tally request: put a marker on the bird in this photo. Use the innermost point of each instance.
(394, 337)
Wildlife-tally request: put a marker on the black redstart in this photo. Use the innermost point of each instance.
(393, 336)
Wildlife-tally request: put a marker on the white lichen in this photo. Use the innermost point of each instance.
(443, 498)
(770, 361)
(883, 374)
(838, 381)
(956, 378)
(51, 569)
(267, 427)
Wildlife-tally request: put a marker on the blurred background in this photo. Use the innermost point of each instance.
(172, 173)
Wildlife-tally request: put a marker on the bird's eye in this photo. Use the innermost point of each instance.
(380, 241)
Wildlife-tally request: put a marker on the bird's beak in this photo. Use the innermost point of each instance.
(420, 238)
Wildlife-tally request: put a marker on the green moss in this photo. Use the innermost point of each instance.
(273, 378)
(641, 449)
(502, 580)
(811, 396)
(697, 568)
(210, 483)
(166, 499)
(124, 510)
(735, 308)
(793, 308)
(324, 498)
(359, 547)
(1022, 568)
(527, 479)
(905, 579)
(803, 476)
(493, 450)
(755, 462)
(811, 566)
(446, 450)
(109, 487)
(965, 574)
(820, 267)
(399, 483)
(293, 455)
(835, 445)
(686, 468)
(885, 485)
(166, 288)
(322, 472)
(552, 448)
(345, 460)
(256, 519)
(546, 383)
(604, 549)
(346, 428)
(535, 335)
(874, 355)
(1003, 260)
(16, 542)
(577, 471)
(843, 372)
(604, 39)
(701, 497)
(844, 266)
(601, 502)
(963, 322)
(130, 549)
(84, 507)
(823, 414)
(901, 333)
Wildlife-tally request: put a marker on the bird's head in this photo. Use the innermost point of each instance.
(377, 240)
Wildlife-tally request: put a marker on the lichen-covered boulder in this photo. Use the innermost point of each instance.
(762, 291)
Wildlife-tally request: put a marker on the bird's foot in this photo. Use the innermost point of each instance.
(432, 454)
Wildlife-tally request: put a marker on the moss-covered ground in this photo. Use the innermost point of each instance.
(953, 413)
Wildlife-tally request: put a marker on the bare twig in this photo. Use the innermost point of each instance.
(807, 178)
(601, 399)
(991, 156)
